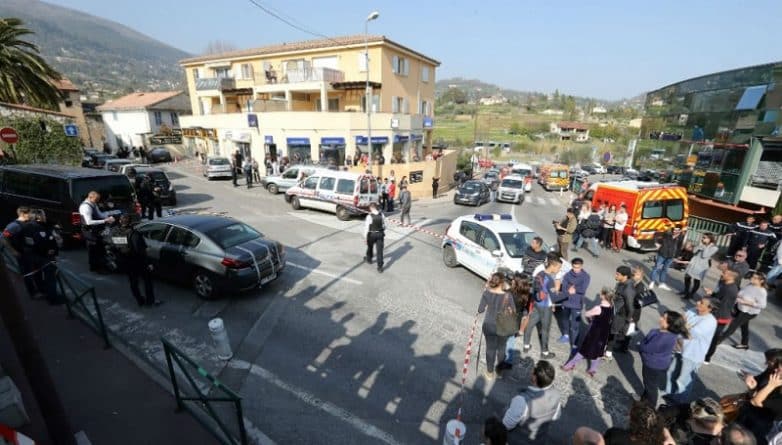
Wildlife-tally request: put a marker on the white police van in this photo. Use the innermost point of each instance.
(485, 242)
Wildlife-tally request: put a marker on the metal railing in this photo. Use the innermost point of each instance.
(308, 74)
(697, 226)
(77, 293)
(199, 395)
(215, 83)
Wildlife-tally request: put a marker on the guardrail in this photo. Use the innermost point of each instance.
(697, 226)
(76, 292)
(200, 396)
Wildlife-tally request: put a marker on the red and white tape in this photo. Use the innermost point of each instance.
(416, 228)
(465, 368)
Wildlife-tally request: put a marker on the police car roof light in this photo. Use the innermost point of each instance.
(493, 216)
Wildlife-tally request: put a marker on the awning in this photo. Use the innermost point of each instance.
(398, 138)
(357, 85)
(362, 140)
(332, 141)
(297, 141)
(268, 139)
(416, 137)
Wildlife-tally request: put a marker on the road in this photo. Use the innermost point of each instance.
(333, 352)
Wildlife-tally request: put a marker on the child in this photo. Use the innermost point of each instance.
(596, 337)
(657, 353)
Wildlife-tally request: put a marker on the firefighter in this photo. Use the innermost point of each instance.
(739, 233)
(759, 238)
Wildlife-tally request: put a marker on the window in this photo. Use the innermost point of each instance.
(195, 74)
(489, 241)
(174, 119)
(652, 209)
(182, 237)
(232, 235)
(222, 73)
(311, 183)
(33, 186)
(425, 74)
(346, 186)
(375, 103)
(672, 209)
(751, 98)
(327, 184)
(158, 118)
(68, 103)
(425, 108)
(114, 115)
(154, 231)
(334, 104)
(399, 105)
(470, 230)
(368, 185)
(516, 243)
(115, 188)
(290, 173)
(400, 66)
(247, 71)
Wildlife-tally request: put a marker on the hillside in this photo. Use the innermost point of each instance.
(98, 55)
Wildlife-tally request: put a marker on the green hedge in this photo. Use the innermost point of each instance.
(42, 140)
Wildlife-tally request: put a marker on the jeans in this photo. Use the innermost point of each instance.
(772, 275)
(741, 321)
(680, 383)
(660, 271)
(540, 317)
(715, 341)
(573, 324)
(494, 343)
(653, 380)
(593, 246)
(510, 349)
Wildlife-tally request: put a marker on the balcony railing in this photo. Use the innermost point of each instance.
(215, 83)
(300, 75)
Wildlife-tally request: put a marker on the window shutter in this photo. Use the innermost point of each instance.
(405, 106)
(406, 63)
(395, 64)
(362, 62)
(394, 104)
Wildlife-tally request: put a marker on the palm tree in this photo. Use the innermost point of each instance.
(25, 77)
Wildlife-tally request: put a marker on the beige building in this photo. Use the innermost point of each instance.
(306, 101)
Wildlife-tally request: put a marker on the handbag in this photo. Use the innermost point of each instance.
(506, 320)
(648, 297)
(732, 405)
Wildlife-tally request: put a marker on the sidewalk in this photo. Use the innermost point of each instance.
(106, 396)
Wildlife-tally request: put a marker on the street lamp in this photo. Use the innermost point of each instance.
(368, 93)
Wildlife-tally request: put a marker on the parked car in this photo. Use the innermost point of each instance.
(159, 179)
(473, 193)
(159, 154)
(492, 179)
(87, 155)
(217, 167)
(124, 168)
(59, 190)
(287, 179)
(114, 165)
(213, 254)
(589, 169)
(98, 160)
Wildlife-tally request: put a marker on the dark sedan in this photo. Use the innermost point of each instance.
(215, 255)
(159, 154)
(159, 179)
(473, 193)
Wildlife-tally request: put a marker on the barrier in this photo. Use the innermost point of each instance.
(697, 226)
(75, 290)
(201, 397)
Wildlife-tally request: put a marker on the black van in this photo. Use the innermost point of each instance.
(59, 190)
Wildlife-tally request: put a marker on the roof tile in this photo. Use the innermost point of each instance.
(135, 101)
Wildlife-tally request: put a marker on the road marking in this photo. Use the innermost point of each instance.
(320, 272)
(555, 201)
(541, 201)
(314, 401)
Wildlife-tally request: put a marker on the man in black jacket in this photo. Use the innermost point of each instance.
(534, 256)
(624, 294)
(669, 244)
(41, 247)
(739, 233)
(759, 238)
(132, 249)
(724, 299)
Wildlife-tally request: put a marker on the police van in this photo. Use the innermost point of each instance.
(339, 192)
(484, 243)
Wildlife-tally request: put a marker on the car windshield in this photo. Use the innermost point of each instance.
(490, 175)
(521, 171)
(113, 188)
(219, 161)
(516, 243)
(155, 176)
(233, 235)
(512, 183)
(471, 186)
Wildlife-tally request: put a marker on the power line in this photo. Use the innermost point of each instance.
(289, 22)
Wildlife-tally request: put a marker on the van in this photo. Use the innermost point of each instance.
(59, 190)
(651, 208)
(526, 172)
(339, 192)
(554, 177)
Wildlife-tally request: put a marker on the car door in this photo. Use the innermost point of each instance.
(468, 253)
(154, 235)
(288, 179)
(178, 254)
(367, 191)
(487, 262)
(327, 199)
(308, 193)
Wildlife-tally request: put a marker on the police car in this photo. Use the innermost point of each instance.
(485, 242)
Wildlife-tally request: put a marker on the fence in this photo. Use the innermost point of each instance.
(697, 226)
(78, 293)
(200, 395)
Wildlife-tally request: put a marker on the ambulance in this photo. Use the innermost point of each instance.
(554, 177)
(651, 208)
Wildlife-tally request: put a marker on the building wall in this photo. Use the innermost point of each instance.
(71, 106)
(127, 126)
(6, 111)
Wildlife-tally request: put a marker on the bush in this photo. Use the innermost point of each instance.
(43, 140)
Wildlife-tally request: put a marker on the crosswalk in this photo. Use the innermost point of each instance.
(541, 201)
(356, 226)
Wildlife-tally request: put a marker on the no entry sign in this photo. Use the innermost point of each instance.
(9, 135)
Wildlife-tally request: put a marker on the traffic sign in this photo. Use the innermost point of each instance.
(607, 157)
(9, 135)
(71, 130)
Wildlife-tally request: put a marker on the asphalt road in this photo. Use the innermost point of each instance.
(333, 352)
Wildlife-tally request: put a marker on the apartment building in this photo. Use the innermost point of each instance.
(306, 101)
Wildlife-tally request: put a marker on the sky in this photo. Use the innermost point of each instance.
(600, 48)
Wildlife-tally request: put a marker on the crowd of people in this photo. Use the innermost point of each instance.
(515, 303)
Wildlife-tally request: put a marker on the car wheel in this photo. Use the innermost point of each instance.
(273, 189)
(204, 284)
(295, 203)
(343, 214)
(449, 256)
(454, 201)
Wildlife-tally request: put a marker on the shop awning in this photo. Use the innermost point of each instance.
(297, 141)
(398, 138)
(362, 140)
(332, 141)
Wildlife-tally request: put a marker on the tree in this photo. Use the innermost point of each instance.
(453, 95)
(219, 47)
(25, 77)
(42, 140)
(570, 107)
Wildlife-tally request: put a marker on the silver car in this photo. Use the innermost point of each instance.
(287, 179)
(217, 167)
(511, 189)
(213, 254)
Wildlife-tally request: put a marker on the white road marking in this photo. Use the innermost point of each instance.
(314, 401)
(541, 201)
(320, 272)
(555, 201)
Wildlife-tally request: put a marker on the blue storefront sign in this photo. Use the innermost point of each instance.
(399, 139)
(332, 141)
(268, 139)
(428, 122)
(298, 141)
(362, 140)
(252, 120)
(416, 137)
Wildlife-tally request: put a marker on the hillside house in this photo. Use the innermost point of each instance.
(570, 131)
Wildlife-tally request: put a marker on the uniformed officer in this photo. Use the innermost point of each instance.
(131, 249)
(93, 221)
(739, 233)
(776, 226)
(374, 233)
(758, 240)
(13, 240)
(42, 249)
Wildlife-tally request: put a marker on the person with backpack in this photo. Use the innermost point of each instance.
(530, 414)
(543, 310)
(590, 229)
(494, 301)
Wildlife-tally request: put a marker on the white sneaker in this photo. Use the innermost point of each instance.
(664, 286)
(651, 285)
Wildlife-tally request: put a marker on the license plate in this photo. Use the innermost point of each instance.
(269, 278)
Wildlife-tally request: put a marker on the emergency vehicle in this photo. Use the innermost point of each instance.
(484, 243)
(554, 177)
(339, 192)
(651, 208)
(526, 172)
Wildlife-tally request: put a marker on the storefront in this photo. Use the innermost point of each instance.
(270, 149)
(299, 150)
(378, 145)
(416, 147)
(238, 140)
(399, 150)
(201, 140)
(331, 151)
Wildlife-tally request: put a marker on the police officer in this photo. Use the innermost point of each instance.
(93, 221)
(42, 249)
(13, 240)
(374, 233)
(247, 168)
(739, 233)
(131, 249)
(759, 238)
(776, 226)
(150, 198)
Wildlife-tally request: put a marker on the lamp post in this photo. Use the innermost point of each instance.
(368, 93)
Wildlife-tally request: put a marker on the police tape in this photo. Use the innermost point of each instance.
(465, 368)
(415, 228)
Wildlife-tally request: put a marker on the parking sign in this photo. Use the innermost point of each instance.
(71, 130)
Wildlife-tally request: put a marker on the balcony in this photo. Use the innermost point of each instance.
(215, 83)
(300, 76)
